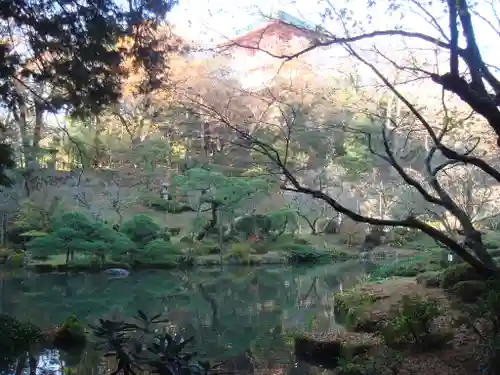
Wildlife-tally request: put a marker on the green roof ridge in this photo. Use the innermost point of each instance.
(288, 18)
(281, 16)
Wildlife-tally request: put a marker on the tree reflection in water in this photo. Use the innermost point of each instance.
(242, 315)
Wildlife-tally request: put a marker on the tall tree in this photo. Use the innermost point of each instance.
(64, 55)
(71, 44)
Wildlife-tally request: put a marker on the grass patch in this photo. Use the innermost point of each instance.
(410, 267)
(54, 260)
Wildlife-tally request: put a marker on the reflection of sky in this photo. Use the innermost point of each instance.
(251, 303)
(49, 363)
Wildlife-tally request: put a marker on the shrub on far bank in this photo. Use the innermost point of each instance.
(163, 205)
(141, 229)
(283, 249)
(425, 243)
(399, 237)
(140, 240)
(206, 247)
(409, 267)
(174, 231)
(74, 234)
(157, 251)
(307, 254)
(297, 250)
(293, 249)
(241, 251)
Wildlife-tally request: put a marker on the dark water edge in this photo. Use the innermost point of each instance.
(55, 363)
(250, 326)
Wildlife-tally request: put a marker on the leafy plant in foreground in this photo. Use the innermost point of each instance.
(484, 320)
(70, 334)
(383, 362)
(140, 345)
(414, 323)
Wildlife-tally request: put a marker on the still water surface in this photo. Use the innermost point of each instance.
(242, 312)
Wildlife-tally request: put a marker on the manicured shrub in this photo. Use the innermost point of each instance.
(241, 250)
(141, 229)
(406, 268)
(74, 233)
(458, 273)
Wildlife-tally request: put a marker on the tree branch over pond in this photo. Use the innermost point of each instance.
(479, 89)
(479, 258)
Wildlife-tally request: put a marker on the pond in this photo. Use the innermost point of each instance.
(233, 313)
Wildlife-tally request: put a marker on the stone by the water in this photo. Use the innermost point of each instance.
(117, 272)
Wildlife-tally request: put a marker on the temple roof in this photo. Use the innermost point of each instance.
(278, 16)
(282, 25)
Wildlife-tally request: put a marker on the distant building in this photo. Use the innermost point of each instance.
(281, 34)
(281, 28)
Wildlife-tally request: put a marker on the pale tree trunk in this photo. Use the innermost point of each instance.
(469, 196)
(221, 240)
(30, 135)
(38, 128)
(18, 138)
(2, 229)
(310, 223)
(21, 117)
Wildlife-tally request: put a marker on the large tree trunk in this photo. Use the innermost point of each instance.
(21, 116)
(213, 222)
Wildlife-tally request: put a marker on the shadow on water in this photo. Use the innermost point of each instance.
(242, 316)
